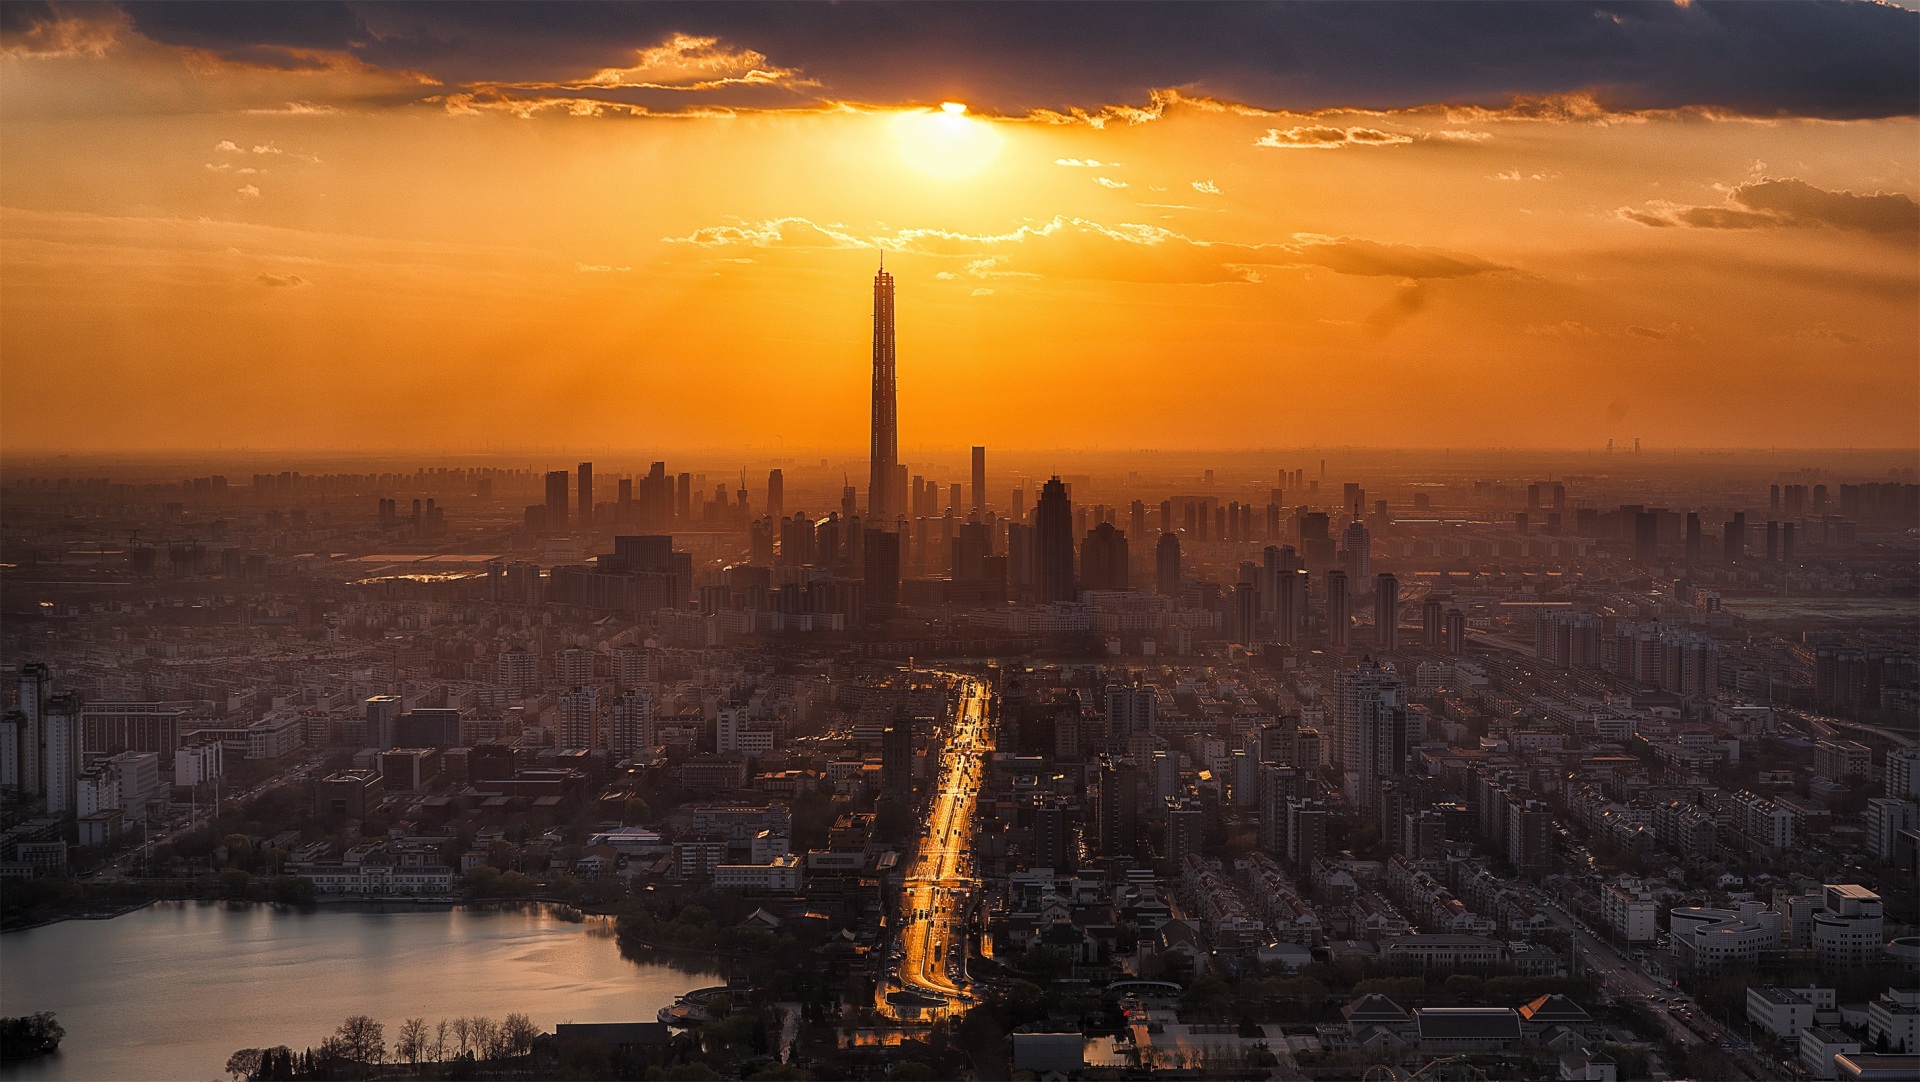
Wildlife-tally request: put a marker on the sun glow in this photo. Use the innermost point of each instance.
(946, 142)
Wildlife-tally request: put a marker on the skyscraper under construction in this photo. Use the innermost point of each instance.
(884, 454)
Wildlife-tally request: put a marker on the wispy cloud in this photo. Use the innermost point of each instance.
(1206, 186)
(280, 281)
(790, 232)
(1786, 202)
(1326, 137)
(1109, 182)
(296, 108)
(1085, 163)
(1067, 247)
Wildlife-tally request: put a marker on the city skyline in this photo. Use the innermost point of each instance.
(1274, 540)
(1696, 242)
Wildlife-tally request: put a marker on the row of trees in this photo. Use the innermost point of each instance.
(360, 1044)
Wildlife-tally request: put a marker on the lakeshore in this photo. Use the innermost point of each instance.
(262, 975)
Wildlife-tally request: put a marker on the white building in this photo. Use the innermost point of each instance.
(1902, 776)
(1765, 825)
(1784, 1012)
(1630, 910)
(1886, 818)
(277, 734)
(1711, 940)
(1818, 1046)
(1847, 931)
(198, 764)
(60, 772)
(1895, 1016)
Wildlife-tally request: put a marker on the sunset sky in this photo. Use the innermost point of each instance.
(441, 226)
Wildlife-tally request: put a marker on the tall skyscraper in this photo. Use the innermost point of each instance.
(1386, 611)
(36, 687)
(1166, 560)
(1103, 558)
(1356, 552)
(1339, 610)
(556, 501)
(776, 495)
(586, 496)
(880, 575)
(1053, 542)
(980, 479)
(883, 457)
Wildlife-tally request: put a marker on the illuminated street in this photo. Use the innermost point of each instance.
(936, 889)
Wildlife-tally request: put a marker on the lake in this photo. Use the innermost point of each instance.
(170, 991)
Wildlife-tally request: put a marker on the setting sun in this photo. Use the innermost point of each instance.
(946, 143)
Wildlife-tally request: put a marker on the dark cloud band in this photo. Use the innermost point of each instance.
(1831, 58)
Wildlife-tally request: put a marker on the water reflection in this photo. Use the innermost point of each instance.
(170, 991)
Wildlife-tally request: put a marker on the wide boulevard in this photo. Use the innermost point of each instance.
(931, 963)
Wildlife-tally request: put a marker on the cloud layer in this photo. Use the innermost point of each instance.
(1815, 59)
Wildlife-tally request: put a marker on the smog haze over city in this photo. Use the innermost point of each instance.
(1295, 541)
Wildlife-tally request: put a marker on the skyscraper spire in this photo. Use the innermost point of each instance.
(884, 452)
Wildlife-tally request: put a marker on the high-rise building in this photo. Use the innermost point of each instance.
(1130, 710)
(60, 762)
(1386, 611)
(1103, 559)
(36, 687)
(896, 759)
(1646, 537)
(1053, 542)
(1306, 833)
(1119, 810)
(383, 718)
(1339, 610)
(1456, 631)
(580, 719)
(1053, 834)
(883, 457)
(1166, 563)
(1185, 822)
(586, 496)
(1243, 613)
(1432, 622)
(1356, 551)
(980, 479)
(633, 727)
(880, 560)
(556, 501)
(776, 495)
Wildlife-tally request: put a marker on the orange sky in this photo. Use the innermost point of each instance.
(196, 252)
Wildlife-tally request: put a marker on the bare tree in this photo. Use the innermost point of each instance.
(440, 1041)
(485, 1038)
(520, 1034)
(364, 1039)
(463, 1034)
(411, 1044)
